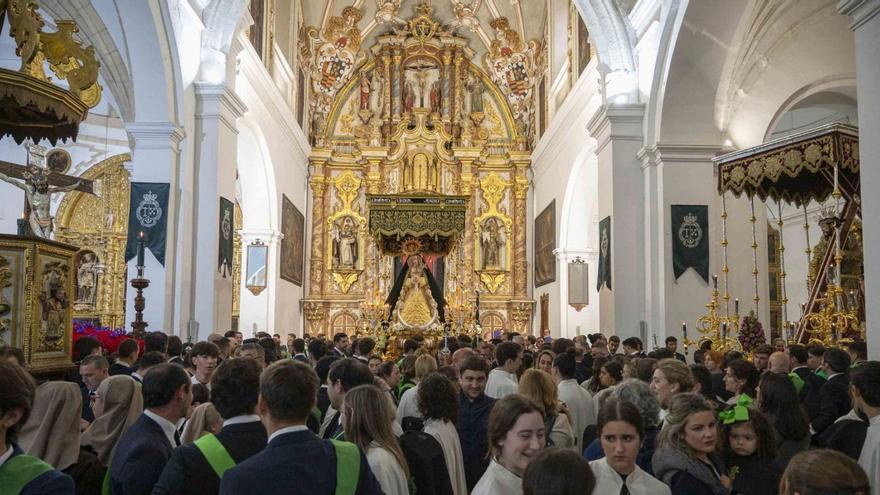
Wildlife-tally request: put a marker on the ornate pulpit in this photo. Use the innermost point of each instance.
(36, 290)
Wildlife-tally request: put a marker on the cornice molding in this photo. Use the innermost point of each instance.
(861, 11)
(678, 153)
(154, 135)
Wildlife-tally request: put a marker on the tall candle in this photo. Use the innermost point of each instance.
(684, 329)
(715, 281)
(140, 252)
(736, 306)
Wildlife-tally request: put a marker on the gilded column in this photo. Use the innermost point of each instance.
(318, 186)
(386, 72)
(468, 187)
(395, 84)
(457, 80)
(448, 77)
(521, 190)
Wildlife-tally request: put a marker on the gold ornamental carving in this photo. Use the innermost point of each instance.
(346, 231)
(98, 225)
(493, 235)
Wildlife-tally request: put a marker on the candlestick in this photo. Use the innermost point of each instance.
(140, 251)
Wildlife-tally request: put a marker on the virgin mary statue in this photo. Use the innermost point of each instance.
(416, 300)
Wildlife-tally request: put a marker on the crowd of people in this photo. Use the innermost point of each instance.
(514, 415)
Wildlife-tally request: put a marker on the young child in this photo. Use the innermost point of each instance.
(750, 451)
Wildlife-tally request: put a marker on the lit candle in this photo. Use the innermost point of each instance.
(803, 308)
(684, 329)
(736, 306)
(724, 330)
(715, 281)
(140, 252)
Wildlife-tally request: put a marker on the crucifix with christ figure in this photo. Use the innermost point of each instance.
(39, 184)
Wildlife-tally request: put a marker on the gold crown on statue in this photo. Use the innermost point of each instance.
(411, 247)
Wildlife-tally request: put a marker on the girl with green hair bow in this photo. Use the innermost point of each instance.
(749, 449)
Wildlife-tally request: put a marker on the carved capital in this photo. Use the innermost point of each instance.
(521, 188)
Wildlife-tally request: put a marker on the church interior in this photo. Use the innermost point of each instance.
(401, 168)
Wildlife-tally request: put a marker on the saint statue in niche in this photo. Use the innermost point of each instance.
(87, 279)
(475, 92)
(492, 244)
(365, 88)
(345, 244)
(435, 97)
(54, 302)
(409, 96)
(377, 94)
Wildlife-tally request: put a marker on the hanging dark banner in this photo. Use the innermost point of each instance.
(148, 214)
(604, 277)
(690, 240)
(224, 259)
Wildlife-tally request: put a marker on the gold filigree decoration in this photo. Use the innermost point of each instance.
(423, 27)
(344, 280)
(493, 280)
(67, 57)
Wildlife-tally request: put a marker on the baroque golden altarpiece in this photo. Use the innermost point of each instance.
(416, 121)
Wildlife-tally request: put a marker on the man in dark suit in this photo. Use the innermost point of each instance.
(145, 447)
(809, 395)
(322, 368)
(93, 370)
(345, 374)
(235, 386)
(127, 355)
(20, 473)
(672, 346)
(295, 460)
(341, 343)
(298, 347)
(834, 395)
(474, 407)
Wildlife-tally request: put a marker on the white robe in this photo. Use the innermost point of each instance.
(497, 480)
(501, 384)
(638, 482)
(389, 473)
(409, 404)
(869, 460)
(447, 436)
(581, 406)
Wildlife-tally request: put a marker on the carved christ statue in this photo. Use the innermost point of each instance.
(38, 194)
(492, 241)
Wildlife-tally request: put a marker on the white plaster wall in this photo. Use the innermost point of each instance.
(565, 170)
(284, 150)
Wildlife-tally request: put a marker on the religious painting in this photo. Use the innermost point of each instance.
(545, 244)
(58, 161)
(345, 243)
(256, 31)
(293, 228)
(86, 296)
(583, 44)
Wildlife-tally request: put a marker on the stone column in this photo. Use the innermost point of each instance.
(156, 158)
(217, 109)
(617, 129)
(866, 26)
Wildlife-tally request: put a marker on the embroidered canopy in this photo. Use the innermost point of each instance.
(405, 224)
(796, 169)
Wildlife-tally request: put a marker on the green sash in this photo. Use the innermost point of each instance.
(348, 467)
(216, 454)
(20, 470)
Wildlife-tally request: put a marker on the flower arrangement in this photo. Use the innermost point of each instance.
(751, 332)
(108, 337)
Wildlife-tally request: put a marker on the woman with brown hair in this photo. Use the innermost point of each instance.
(118, 404)
(544, 361)
(559, 472)
(539, 387)
(408, 406)
(516, 436)
(671, 377)
(741, 378)
(367, 418)
(686, 458)
(817, 472)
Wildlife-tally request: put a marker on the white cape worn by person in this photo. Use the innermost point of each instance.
(447, 436)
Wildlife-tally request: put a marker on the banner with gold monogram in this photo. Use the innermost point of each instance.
(690, 240)
(148, 215)
(224, 258)
(604, 276)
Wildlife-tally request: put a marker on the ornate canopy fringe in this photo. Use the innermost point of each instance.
(796, 169)
(435, 223)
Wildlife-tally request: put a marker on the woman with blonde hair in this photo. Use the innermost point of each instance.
(687, 458)
(671, 377)
(820, 471)
(408, 407)
(204, 419)
(366, 418)
(539, 387)
(118, 404)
